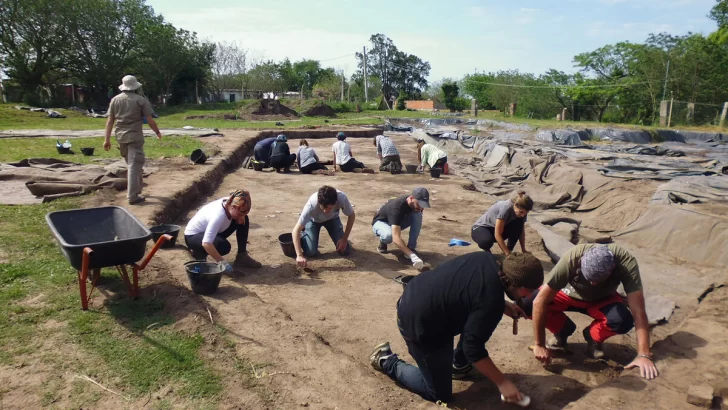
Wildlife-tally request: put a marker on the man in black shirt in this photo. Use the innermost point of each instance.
(464, 296)
(399, 214)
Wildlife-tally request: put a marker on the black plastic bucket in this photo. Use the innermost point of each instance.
(87, 151)
(286, 241)
(204, 276)
(403, 280)
(198, 157)
(258, 165)
(435, 172)
(169, 229)
(411, 169)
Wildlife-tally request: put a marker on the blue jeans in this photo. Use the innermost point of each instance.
(310, 238)
(414, 222)
(432, 377)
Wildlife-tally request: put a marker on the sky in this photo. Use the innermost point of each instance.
(456, 37)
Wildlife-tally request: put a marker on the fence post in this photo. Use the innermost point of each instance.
(691, 113)
(664, 110)
(722, 116)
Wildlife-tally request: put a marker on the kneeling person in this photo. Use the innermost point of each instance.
(322, 210)
(207, 231)
(397, 215)
(586, 280)
(464, 296)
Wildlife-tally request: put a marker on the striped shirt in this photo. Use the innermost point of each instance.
(386, 147)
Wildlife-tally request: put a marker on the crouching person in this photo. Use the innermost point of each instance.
(397, 215)
(585, 280)
(322, 210)
(464, 296)
(207, 231)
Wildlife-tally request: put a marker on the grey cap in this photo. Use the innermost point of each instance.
(422, 195)
(597, 264)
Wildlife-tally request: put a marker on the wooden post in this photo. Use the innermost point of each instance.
(563, 114)
(366, 79)
(664, 109)
(691, 113)
(474, 107)
(669, 116)
(723, 115)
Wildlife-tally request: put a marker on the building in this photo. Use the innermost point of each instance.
(424, 105)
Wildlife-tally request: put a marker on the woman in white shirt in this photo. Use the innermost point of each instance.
(207, 231)
(343, 157)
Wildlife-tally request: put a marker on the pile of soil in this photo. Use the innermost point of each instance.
(272, 107)
(320, 110)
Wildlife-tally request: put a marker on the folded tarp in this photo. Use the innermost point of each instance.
(695, 189)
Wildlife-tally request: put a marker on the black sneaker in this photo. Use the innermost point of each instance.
(461, 372)
(381, 353)
(382, 247)
(593, 349)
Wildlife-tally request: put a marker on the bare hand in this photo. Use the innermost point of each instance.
(341, 245)
(510, 391)
(648, 370)
(514, 311)
(301, 261)
(159, 136)
(107, 145)
(542, 354)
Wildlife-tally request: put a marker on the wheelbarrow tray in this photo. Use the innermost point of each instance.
(115, 236)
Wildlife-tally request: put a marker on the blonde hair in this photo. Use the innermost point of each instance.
(303, 142)
(522, 200)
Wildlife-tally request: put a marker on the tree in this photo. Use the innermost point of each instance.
(450, 92)
(398, 71)
(719, 13)
(229, 64)
(105, 36)
(329, 87)
(32, 44)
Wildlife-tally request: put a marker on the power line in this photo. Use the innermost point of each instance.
(336, 58)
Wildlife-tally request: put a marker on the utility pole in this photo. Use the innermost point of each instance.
(366, 77)
(669, 116)
(342, 87)
(197, 93)
(664, 89)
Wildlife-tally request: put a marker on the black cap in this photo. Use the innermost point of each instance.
(422, 195)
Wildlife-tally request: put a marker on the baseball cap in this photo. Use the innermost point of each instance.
(422, 195)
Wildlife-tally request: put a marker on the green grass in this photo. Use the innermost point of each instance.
(116, 346)
(14, 149)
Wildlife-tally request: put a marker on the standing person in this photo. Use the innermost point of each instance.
(308, 161)
(344, 158)
(505, 220)
(261, 151)
(397, 215)
(129, 110)
(207, 231)
(280, 155)
(388, 154)
(585, 280)
(322, 210)
(463, 296)
(431, 156)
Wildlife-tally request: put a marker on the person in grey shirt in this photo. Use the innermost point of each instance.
(505, 220)
(322, 210)
(308, 160)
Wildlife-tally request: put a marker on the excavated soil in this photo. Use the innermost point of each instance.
(320, 110)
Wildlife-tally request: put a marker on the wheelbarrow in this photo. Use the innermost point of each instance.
(95, 238)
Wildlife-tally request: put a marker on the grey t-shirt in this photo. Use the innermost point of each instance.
(311, 211)
(306, 156)
(500, 210)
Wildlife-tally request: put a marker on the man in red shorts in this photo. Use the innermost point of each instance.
(586, 280)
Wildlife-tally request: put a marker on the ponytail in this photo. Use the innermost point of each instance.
(522, 200)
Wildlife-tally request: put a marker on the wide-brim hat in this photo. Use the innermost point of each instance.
(129, 83)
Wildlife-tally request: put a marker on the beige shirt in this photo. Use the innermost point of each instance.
(129, 110)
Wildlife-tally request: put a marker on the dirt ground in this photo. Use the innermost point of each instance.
(306, 337)
(317, 329)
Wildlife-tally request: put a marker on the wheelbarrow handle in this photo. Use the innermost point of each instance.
(162, 239)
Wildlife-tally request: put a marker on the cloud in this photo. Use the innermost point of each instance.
(529, 10)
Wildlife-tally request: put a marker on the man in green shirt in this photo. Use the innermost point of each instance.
(128, 111)
(586, 280)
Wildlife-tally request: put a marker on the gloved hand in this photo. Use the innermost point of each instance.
(225, 266)
(416, 261)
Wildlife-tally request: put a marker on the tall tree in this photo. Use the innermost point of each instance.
(229, 63)
(32, 43)
(397, 70)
